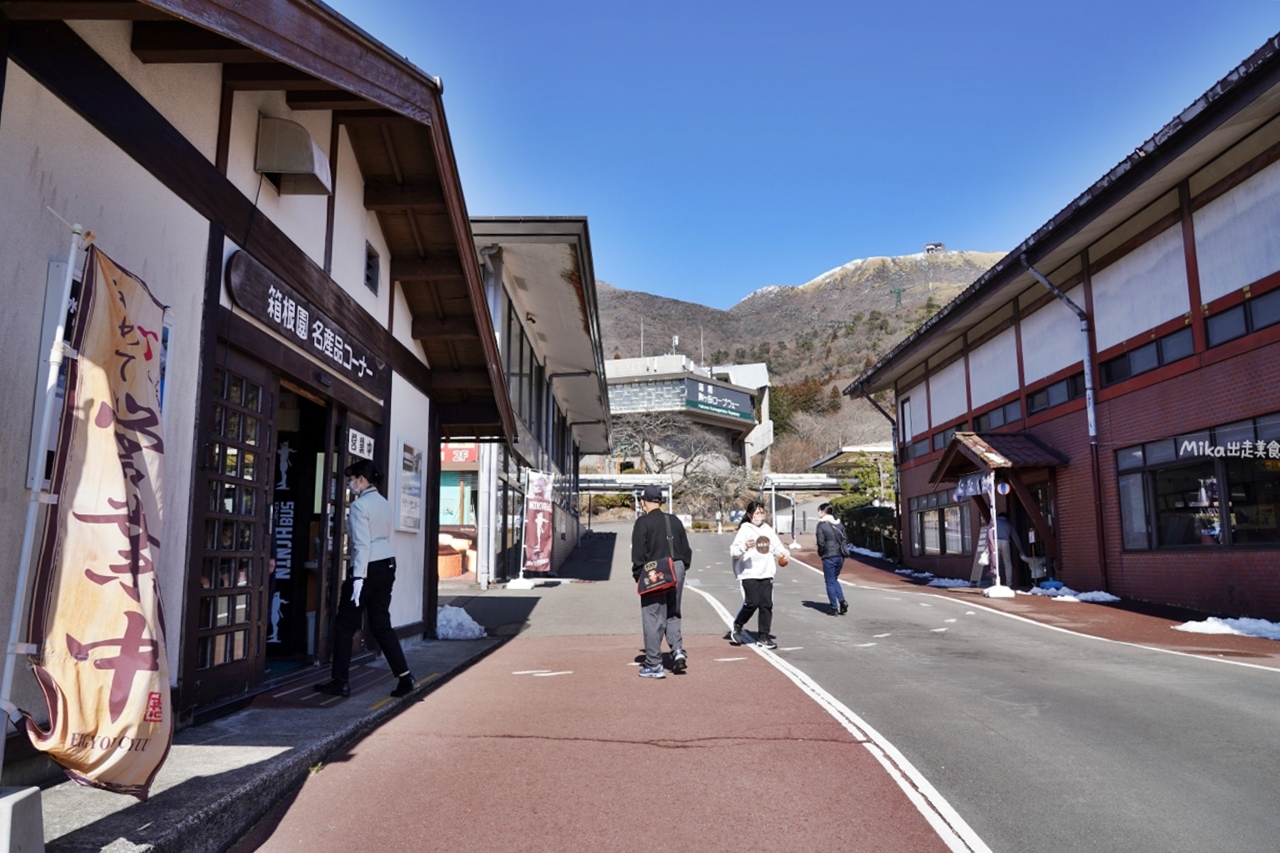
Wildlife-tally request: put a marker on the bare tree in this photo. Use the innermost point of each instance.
(712, 490)
(668, 443)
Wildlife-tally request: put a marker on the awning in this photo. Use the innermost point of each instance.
(970, 451)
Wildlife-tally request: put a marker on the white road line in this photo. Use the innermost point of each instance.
(529, 671)
(864, 645)
(936, 630)
(1018, 618)
(948, 620)
(951, 828)
(726, 660)
(881, 636)
(549, 674)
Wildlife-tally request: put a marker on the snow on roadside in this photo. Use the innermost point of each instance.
(948, 582)
(1240, 627)
(1066, 593)
(453, 623)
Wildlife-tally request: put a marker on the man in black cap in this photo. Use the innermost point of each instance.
(656, 536)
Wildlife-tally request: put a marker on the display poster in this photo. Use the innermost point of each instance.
(538, 511)
(409, 508)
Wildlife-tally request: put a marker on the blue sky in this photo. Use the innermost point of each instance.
(719, 147)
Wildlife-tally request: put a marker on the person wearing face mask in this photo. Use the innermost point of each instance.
(757, 552)
(368, 587)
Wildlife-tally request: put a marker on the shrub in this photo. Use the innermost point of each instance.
(872, 527)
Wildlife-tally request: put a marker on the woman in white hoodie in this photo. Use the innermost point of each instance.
(757, 552)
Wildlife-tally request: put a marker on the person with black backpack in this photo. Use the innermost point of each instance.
(832, 548)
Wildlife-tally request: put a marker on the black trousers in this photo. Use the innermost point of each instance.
(376, 599)
(757, 594)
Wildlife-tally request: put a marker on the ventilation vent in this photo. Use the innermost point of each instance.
(290, 158)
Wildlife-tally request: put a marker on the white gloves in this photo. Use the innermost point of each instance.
(357, 584)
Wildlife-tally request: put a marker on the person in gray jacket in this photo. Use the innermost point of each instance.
(832, 543)
(368, 587)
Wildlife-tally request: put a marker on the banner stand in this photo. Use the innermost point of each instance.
(20, 817)
(999, 590)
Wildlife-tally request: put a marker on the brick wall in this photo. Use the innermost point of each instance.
(1228, 582)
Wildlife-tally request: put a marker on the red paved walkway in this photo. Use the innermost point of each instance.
(730, 757)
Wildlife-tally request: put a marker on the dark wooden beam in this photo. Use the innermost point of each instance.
(54, 55)
(425, 198)
(469, 414)
(460, 380)
(334, 99)
(431, 519)
(80, 10)
(455, 329)
(369, 117)
(442, 265)
(271, 77)
(178, 42)
(313, 37)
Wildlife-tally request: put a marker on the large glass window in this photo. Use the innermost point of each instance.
(938, 527)
(1217, 487)
(1252, 500)
(1056, 394)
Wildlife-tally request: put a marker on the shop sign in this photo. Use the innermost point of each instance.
(359, 444)
(277, 305)
(718, 400)
(457, 452)
(972, 485)
(409, 516)
(538, 512)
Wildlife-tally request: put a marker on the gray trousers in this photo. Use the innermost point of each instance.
(660, 616)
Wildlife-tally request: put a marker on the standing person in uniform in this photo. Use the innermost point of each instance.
(656, 536)
(373, 572)
(831, 548)
(757, 552)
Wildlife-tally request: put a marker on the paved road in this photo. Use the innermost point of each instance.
(1043, 740)
(922, 721)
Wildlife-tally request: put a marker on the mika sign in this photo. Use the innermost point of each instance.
(718, 400)
(277, 305)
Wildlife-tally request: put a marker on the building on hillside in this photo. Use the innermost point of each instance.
(843, 462)
(1143, 454)
(703, 396)
(540, 285)
(286, 185)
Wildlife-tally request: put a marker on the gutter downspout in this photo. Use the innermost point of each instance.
(1090, 411)
(897, 492)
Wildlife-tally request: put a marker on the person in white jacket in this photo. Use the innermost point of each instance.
(757, 552)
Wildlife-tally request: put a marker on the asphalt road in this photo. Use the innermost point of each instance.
(1041, 739)
(919, 721)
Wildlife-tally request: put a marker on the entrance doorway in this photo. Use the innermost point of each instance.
(297, 530)
(1043, 495)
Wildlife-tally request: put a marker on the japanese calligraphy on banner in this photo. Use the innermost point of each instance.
(538, 510)
(97, 612)
(269, 300)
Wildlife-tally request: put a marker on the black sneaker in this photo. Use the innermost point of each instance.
(844, 607)
(336, 687)
(766, 642)
(835, 610)
(735, 636)
(403, 687)
(679, 661)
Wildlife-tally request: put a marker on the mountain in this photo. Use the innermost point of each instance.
(815, 337)
(835, 325)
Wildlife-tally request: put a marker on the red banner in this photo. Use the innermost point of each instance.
(97, 613)
(539, 518)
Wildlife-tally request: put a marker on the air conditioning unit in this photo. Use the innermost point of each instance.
(290, 158)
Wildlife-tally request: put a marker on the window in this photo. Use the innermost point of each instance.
(1056, 394)
(1217, 487)
(939, 527)
(1238, 321)
(942, 439)
(371, 268)
(998, 417)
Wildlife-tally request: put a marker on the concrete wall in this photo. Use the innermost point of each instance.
(1054, 336)
(1238, 235)
(410, 411)
(992, 373)
(50, 157)
(948, 396)
(1141, 290)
